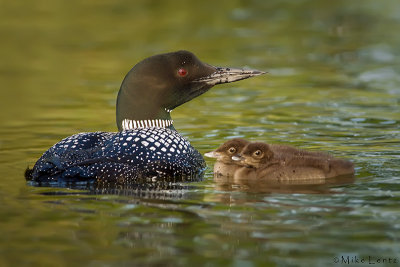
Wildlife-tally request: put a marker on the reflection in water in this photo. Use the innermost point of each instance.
(150, 190)
(155, 190)
(303, 186)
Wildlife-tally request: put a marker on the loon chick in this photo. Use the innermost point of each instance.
(263, 161)
(225, 165)
(147, 147)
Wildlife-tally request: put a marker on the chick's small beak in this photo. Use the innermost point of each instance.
(212, 154)
(237, 158)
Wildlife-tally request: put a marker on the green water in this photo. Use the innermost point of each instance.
(333, 85)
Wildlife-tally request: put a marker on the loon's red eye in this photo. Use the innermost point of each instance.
(182, 72)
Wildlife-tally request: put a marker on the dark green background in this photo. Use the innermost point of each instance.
(333, 85)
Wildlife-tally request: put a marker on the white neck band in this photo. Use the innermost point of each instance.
(133, 124)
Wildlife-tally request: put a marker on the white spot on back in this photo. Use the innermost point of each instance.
(145, 143)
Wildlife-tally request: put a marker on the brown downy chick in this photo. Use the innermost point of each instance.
(225, 165)
(263, 161)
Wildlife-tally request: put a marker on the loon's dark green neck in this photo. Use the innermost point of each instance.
(158, 84)
(135, 106)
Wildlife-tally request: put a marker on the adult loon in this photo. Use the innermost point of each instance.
(147, 147)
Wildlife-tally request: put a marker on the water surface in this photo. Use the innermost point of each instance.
(333, 85)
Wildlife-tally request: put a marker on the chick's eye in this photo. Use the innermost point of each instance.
(232, 150)
(182, 72)
(257, 153)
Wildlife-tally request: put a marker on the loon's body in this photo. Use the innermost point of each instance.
(123, 157)
(147, 148)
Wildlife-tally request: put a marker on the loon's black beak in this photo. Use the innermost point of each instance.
(228, 75)
(218, 75)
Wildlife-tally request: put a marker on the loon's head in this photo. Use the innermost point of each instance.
(255, 155)
(227, 150)
(158, 84)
